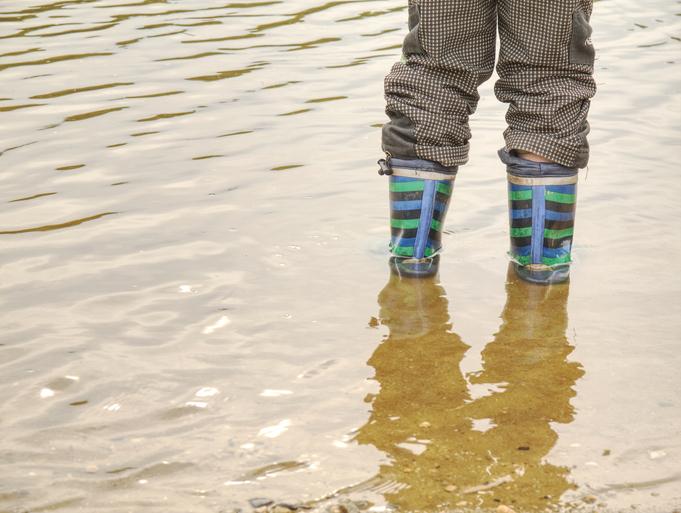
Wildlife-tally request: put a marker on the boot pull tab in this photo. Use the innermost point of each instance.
(384, 167)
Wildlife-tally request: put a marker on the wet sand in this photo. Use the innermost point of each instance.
(196, 305)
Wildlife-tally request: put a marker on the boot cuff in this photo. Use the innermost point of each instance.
(517, 166)
(423, 169)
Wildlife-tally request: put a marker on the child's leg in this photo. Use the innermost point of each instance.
(448, 53)
(546, 76)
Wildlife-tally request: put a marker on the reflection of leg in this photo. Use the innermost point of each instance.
(545, 69)
(414, 417)
(448, 53)
(528, 358)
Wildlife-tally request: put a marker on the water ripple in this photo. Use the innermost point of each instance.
(192, 228)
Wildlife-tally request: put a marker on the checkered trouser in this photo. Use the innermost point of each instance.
(545, 69)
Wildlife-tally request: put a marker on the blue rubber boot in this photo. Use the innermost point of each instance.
(541, 198)
(420, 191)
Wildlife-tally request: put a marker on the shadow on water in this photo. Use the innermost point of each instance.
(446, 444)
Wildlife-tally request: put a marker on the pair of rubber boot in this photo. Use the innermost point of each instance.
(541, 199)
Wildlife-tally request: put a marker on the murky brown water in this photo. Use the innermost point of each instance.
(196, 306)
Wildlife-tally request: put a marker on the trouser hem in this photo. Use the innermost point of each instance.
(550, 148)
(447, 156)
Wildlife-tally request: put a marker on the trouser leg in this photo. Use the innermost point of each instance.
(430, 94)
(546, 76)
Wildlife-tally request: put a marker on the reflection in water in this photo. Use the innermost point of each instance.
(59, 226)
(445, 445)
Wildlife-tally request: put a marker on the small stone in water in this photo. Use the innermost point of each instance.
(336, 508)
(589, 499)
(451, 488)
(462, 503)
(504, 509)
(425, 424)
(259, 502)
(606, 452)
(289, 505)
(350, 506)
(282, 508)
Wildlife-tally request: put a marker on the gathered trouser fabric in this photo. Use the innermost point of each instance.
(545, 69)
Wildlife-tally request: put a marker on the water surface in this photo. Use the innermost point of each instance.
(196, 307)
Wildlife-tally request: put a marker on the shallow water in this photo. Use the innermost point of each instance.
(196, 307)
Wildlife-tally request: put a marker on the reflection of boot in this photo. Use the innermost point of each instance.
(419, 197)
(542, 215)
(412, 309)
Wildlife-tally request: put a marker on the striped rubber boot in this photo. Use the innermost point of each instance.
(542, 215)
(419, 197)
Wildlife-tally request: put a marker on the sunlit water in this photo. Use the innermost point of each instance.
(196, 307)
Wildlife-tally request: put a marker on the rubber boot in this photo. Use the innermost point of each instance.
(420, 191)
(541, 198)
